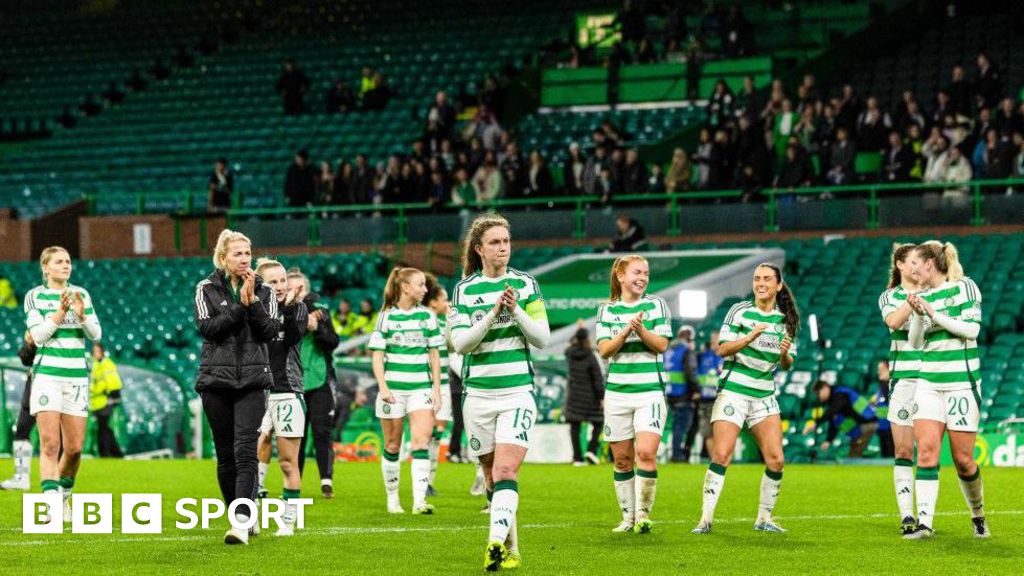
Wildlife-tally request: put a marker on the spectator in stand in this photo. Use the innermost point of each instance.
(630, 237)
(999, 156)
(220, 187)
(912, 117)
(442, 113)
(645, 53)
(942, 109)
(655, 180)
(806, 130)
(982, 126)
(447, 154)
(362, 181)
(366, 318)
(720, 106)
(842, 156)
(438, 195)
(8, 298)
(737, 34)
(783, 126)
(722, 162)
(872, 127)
(485, 127)
(631, 23)
(292, 85)
(601, 139)
(914, 142)
(898, 160)
(463, 191)
(300, 181)
(702, 158)
(848, 110)
(366, 82)
(617, 171)
(343, 319)
(1008, 120)
(377, 97)
(796, 171)
(747, 102)
(958, 169)
(389, 185)
(572, 171)
(592, 172)
(583, 396)
(604, 188)
(634, 179)
(339, 99)
(959, 90)
(936, 156)
(487, 181)
(749, 181)
(342, 193)
(988, 84)
(677, 179)
(1018, 161)
(539, 182)
(514, 172)
(325, 185)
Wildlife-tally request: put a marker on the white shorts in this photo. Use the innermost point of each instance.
(626, 415)
(65, 395)
(285, 415)
(498, 420)
(444, 414)
(740, 409)
(406, 401)
(958, 409)
(901, 401)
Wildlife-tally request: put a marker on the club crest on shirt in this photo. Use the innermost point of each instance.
(948, 302)
(478, 315)
(423, 324)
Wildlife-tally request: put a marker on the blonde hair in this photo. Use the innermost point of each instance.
(226, 237)
(266, 262)
(393, 287)
(296, 272)
(471, 261)
(945, 256)
(899, 254)
(619, 267)
(46, 255)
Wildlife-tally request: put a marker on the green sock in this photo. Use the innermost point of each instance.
(290, 494)
(50, 486)
(67, 484)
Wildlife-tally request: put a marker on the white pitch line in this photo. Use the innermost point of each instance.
(356, 530)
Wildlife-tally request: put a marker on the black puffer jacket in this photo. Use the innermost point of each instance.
(586, 386)
(284, 348)
(235, 337)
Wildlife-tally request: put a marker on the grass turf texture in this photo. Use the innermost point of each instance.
(841, 520)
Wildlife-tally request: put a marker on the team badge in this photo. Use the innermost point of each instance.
(43, 400)
(948, 302)
(474, 443)
(903, 414)
(423, 324)
(478, 316)
(914, 409)
(729, 410)
(387, 408)
(607, 430)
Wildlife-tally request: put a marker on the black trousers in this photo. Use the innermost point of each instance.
(320, 414)
(106, 441)
(235, 417)
(574, 434)
(455, 442)
(26, 421)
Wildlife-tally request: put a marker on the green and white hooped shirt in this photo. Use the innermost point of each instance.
(634, 368)
(64, 354)
(949, 362)
(501, 364)
(751, 371)
(406, 337)
(904, 361)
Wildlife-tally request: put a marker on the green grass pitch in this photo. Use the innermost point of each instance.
(841, 520)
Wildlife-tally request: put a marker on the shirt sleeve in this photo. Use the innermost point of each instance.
(91, 325)
(886, 304)
(603, 331)
(534, 304)
(663, 324)
(435, 338)
(730, 329)
(971, 311)
(458, 316)
(378, 338)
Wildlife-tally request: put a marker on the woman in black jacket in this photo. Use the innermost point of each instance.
(584, 395)
(235, 314)
(26, 421)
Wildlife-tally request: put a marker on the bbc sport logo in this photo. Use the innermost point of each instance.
(143, 513)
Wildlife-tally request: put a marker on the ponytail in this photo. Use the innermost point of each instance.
(393, 287)
(617, 268)
(434, 288)
(945, 257)
(899, 255)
